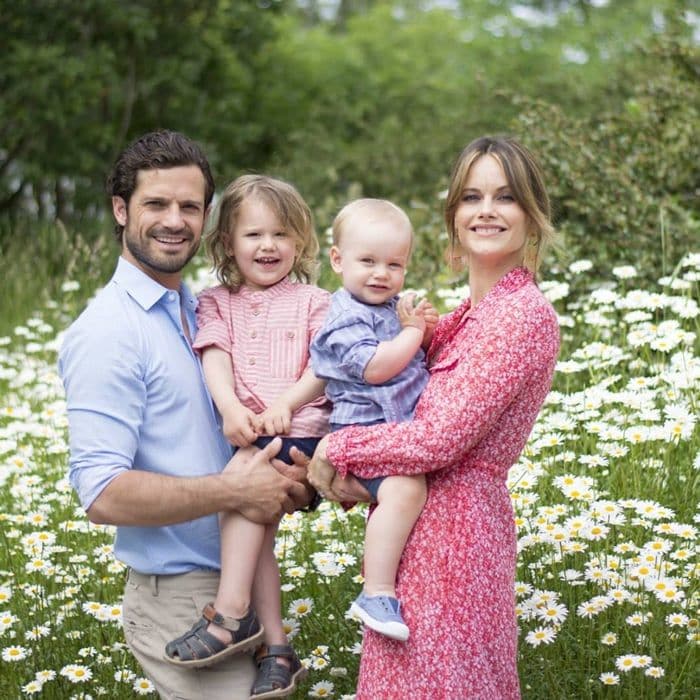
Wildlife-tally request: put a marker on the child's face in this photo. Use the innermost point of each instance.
(263, 249)
(371, 258)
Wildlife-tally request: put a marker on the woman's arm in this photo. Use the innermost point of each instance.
(504, 356)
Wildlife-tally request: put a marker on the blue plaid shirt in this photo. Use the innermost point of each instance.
(342, 349)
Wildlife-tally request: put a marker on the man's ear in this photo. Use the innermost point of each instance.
(119, 209)
(335, 259)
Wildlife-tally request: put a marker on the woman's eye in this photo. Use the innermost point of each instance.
(470, 198)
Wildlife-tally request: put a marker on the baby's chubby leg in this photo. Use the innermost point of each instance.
(400, 500)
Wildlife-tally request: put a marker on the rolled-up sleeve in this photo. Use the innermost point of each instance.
(318, 310)
(355, 345)
(106, 395)
(213, 320)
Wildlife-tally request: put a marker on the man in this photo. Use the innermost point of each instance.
(147, 452)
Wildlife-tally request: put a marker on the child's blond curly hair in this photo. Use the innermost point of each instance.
(292, 212)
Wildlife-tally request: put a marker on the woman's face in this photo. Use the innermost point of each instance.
(490, 225)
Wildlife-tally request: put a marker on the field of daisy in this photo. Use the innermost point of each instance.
(605, 499)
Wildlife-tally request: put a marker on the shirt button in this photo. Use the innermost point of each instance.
(256, 312)
(251, 361)
(171, 296)
(253, 334)
(290, 334)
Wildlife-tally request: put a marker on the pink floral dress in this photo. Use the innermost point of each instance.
(491, 367)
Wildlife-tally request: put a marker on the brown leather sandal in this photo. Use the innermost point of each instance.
(198, 647)
(276, 680)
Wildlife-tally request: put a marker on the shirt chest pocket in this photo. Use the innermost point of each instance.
(289, 353)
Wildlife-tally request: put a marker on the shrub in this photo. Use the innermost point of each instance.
(625, 184)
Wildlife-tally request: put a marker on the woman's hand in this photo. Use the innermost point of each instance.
(325, 479)
(321, 472)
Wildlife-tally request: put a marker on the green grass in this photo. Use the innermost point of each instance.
(605, 499)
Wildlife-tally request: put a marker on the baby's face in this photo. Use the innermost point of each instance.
(371, 258)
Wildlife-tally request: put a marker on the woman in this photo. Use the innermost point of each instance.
(491, 363)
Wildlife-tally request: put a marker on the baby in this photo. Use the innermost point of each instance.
(370, 352)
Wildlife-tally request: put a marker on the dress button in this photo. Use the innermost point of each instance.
(290, 334)
(256, 312)
(251, 361)
(253, 334)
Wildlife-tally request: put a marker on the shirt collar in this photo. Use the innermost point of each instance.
(144, 289)
(280, 289)
(509, 283)
(388, 304)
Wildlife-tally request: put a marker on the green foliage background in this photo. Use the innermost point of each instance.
(362, 96)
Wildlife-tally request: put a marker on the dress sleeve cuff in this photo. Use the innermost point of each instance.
(340, 444)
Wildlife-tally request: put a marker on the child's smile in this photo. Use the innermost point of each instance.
(264, 250)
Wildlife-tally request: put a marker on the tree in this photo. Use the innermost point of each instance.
(81, 78)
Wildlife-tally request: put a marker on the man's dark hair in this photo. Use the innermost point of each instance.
(157, 149)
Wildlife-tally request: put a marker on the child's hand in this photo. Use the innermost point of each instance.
(275, 419)
(240, 426)
(410, 315)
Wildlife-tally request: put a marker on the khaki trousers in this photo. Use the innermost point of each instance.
(159, 608)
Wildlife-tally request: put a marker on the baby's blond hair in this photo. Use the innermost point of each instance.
(369, 208)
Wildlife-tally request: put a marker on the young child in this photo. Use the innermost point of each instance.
(254, 332)
(369, 352)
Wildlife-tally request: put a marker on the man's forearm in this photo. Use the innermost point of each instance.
(249, 484)
(151, 500)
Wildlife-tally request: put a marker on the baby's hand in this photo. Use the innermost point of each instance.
(240, 426)
(410, 315)
(275, 419)
(431, 316)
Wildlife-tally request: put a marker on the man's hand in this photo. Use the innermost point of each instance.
(239, 426)
(276, 419)
(270, 493)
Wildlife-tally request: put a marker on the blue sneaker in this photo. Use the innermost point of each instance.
(382, 613)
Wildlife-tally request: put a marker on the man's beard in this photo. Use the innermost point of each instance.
(160, 262)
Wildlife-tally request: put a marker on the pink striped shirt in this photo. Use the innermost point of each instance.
(267, 333)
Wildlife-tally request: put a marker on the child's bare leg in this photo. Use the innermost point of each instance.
(266, 592)
(241, 544)
(400, 500)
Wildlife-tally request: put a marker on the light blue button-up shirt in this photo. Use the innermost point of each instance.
(137, 400)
